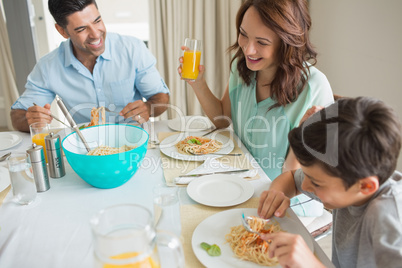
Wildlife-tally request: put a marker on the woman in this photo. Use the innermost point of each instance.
(271, 85)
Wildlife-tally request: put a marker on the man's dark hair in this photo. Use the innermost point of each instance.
(61, 9)
(365, 140)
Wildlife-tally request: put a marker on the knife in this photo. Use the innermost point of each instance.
(209, 132)
(211, 173)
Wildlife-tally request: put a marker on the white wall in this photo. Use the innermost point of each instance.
(359, 45)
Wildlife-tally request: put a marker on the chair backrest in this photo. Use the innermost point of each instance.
(337, 97)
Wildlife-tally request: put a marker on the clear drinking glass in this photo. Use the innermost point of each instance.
(191, 59)
(124, 236)
(167, 199)
(39, 131)
(22, 179)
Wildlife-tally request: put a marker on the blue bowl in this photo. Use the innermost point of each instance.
(106, 171)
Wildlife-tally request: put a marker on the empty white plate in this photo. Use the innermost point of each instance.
(220, 190)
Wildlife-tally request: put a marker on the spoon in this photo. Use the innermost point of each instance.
(4, 157)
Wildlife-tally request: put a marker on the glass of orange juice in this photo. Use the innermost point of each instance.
(191, 59)
(124, 236)
(39, 131)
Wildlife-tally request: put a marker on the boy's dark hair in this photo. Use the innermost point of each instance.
(61, 9)
(351, 139)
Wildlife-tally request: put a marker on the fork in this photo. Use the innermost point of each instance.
(114, 112)
(246, 219)
(110, 111)
(247, 226)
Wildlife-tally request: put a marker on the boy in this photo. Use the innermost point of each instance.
(348, 153)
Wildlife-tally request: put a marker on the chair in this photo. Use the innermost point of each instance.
(337, 97)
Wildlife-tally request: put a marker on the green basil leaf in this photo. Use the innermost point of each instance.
(197, 141)
(205, 246)
(214, 250)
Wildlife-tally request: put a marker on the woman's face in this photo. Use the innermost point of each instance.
(258, 42)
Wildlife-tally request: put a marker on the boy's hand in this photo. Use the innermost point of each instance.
(291, 250)
(273, 203)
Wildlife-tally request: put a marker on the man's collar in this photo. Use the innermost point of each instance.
(106, 55)
(69, 57)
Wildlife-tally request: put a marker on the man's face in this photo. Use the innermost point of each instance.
(87, 33)
(330, 190)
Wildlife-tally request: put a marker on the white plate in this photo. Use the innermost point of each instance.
(220, 190)
(190, 123)
(213, 229)
(8, 140)
(168, 146)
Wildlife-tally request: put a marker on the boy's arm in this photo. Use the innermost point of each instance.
(276, 200)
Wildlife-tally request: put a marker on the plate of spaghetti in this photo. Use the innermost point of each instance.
(194, 147)
(226, 230)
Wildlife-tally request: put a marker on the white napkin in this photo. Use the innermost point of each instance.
(212, 165)
(4, 178)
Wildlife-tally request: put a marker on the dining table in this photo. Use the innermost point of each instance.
(54, 230)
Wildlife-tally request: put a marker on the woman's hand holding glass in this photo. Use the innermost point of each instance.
(190, 68)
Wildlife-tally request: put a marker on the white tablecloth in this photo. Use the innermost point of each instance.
(54, 231)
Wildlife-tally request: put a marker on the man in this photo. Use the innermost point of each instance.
(89, 70)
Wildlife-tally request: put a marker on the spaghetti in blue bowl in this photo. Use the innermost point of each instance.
(108, 170)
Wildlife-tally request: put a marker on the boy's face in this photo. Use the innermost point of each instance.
(331, 190)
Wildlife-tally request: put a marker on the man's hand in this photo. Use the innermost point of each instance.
(141, 111)
(22, 119)
(138, 110)
(38, 114)
(291, 250)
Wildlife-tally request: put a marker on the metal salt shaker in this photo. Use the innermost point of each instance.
(39, 168)
(54, 155)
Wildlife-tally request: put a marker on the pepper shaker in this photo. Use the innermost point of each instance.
(39, 168)
(54, 155)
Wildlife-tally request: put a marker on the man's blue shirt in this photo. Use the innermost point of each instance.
(124, 73)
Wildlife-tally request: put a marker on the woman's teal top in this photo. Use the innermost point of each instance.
(265, 133)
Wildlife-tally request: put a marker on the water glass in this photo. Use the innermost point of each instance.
(191, 59)
(39, 131)
(22, 179)
(167, 199)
